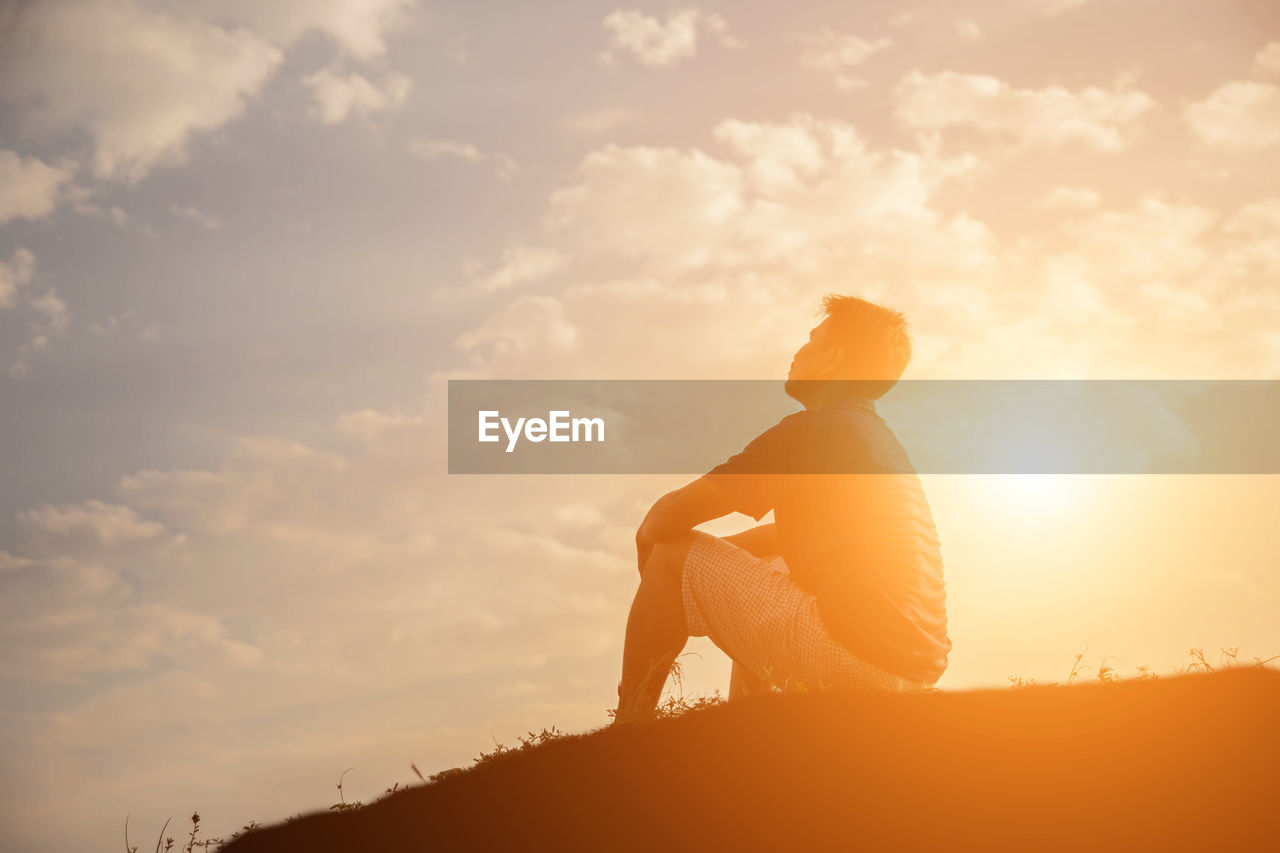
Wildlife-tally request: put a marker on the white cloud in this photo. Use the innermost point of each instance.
(784, 186)
(1258, 219)
(659, 43)
(520, 264)
(1239, 116)
(603, 209)
(720, 259)
(145, 79)
(63, 619)
(1255, 229)
(1071, 199)
(530, 323)
(127, 321)
(359, 27)
(54, 311)
(106, 525)
(438, 149)
(717, 253)
(52, 316)
(139, 96)
(52, 321)
(1053, 8)
(1099, 118)
(1268, 59)
(15, 275)
(1156, 239)
(29, 187)
(370, 424)
(839, 55)
(338, 96)
(596, 122)
(205, 220)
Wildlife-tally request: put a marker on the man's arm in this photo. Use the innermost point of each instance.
(678, 512)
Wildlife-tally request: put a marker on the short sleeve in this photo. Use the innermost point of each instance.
(753, 478)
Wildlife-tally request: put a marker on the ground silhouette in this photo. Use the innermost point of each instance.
(1190, 762)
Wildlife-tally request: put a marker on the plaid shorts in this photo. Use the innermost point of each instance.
(753, 611)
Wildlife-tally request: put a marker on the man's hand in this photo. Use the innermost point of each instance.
(657, 526)
(676, 513)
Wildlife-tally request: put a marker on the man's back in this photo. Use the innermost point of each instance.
(855, 529)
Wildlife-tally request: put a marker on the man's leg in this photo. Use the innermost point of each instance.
(656, 630)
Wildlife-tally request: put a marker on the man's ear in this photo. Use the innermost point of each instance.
(831, 360)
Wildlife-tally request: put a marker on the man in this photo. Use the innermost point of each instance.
(845, 588)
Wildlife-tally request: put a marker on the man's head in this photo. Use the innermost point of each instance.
(857, 340)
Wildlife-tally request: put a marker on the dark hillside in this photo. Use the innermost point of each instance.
(1184, 763)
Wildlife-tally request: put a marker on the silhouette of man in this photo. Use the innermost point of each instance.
(845, 588)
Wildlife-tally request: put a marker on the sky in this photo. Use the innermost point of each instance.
(244, 246)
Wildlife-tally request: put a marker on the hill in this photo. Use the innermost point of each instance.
(1190, 762)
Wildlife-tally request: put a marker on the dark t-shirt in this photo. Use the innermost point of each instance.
(855, 529)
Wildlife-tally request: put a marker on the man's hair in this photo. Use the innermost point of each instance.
(876, 344)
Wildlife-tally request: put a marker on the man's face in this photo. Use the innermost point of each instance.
(816, 358)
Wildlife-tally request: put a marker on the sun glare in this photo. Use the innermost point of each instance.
(1033, 497)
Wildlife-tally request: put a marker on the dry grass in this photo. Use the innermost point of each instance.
(677, 705)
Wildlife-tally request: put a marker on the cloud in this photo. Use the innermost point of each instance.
(596, 122)
(117, 216)
(105, 525)
(52, 317)
(207, 221)
(716, 255)
(355, 543)
(338, 96)
(782, 187)
(530, 323)
(438, 149)
(144, 80)
(1155, 240)
(720, 254)
(1053, 8)
(29, 187)
(1268, 59)
(140, 99)
(602, 209)
(358, 27)
(15, 275)
(520, 264)
(127, 321)
(54, 311)
(659, 43)
(1098, 118)
(52, 321)
(1238, 116)
(370, 424)
(63, 620)
(838, 55)
(1255, 233)
(1071, 199)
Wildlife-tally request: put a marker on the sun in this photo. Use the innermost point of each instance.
(1033, 497)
